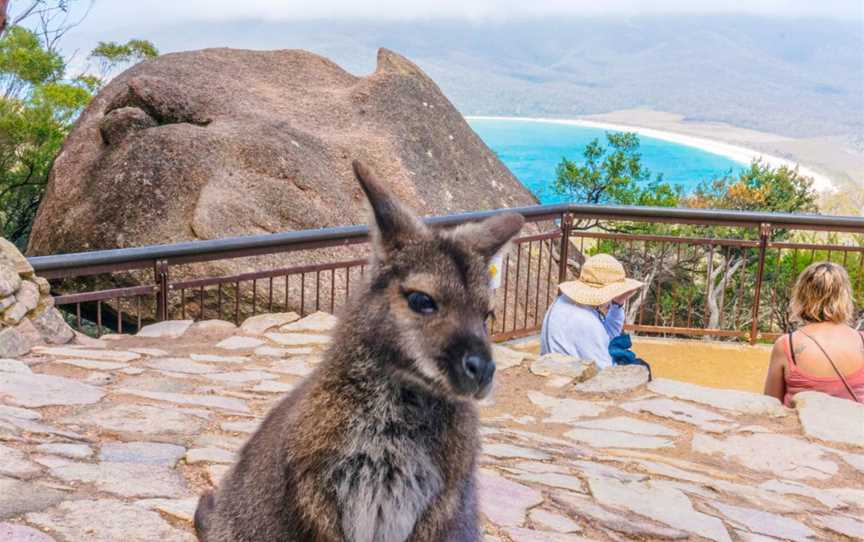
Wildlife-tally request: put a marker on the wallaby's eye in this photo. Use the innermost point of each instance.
(421, 303)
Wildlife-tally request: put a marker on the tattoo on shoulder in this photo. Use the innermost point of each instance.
(800, 348)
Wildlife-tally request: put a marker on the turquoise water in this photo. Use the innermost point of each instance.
(532, 150)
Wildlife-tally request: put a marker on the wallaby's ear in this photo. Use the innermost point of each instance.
(488, 236)
(395, 224)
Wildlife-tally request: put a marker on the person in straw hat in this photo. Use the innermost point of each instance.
(589, 312)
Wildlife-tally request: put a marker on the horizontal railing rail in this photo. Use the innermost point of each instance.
(197, 251)
(538, 262)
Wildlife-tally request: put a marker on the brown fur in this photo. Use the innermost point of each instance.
(379, 444)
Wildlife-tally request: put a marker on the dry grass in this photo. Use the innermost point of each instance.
(707, 363)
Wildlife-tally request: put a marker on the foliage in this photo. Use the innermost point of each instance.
(614, 175)
(111, 55)
(38, 106)
(691, 284)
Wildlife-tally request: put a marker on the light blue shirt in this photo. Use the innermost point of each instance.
(580, 331)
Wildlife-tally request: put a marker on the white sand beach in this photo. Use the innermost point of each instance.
(740, 154)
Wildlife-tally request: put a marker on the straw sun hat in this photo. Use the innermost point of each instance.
(601, 280)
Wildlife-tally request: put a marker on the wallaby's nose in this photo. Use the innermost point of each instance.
(479, 368)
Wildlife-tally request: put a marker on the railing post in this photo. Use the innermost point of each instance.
(564, 249)
(160, 277)
(764, 238)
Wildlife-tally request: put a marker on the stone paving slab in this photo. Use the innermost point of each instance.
(604, 460)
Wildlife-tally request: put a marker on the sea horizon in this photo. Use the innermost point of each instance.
(683, 160)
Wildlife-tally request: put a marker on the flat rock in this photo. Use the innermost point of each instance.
(565, 410)
(553, 479)
(298, 339)
(72, 451)
(106, 520)
(35, 427)
(180, 365)
(209, 401)
(795, 488)
(629, 525)
(503, 501)
(664, 504)
(94, 364)
(317, 322)
(213, 358)
(125, 479)
(13, 366)
(741, 402)
(247, 427)
(830, 418)
(99, 379)
(169, 329)
(616, 379)
(846, 526)
(562, 365)
(627, 425)
(505, 358)
(87, 353)
(15, 464)
(510, 450)
(856, 461)
(790, 458)
(215, 440)
(182, 509)
(17, 497)
(682, 412)
(38, 390)
(530, 535)
(145, 453)
(294, 366)
(257, 325)
(590, 468)
(209, 455)
(598, 438)
(553, 522)
(273, 352)
(239, 343)
(242, 376)
(20, 413)
(273, 386)
(161, 381)
(765, 523)
(9, 532)
(137, 421)
(214, 325)
(151, 352)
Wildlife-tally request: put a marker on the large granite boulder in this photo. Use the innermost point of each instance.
(27, 313)
(224, 142)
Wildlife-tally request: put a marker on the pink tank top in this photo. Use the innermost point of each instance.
(798, 381)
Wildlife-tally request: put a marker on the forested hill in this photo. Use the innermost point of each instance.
(802, 78)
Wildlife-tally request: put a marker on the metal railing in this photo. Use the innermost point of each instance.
(708, 272)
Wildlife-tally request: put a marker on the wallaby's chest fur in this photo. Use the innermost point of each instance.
(368, 466)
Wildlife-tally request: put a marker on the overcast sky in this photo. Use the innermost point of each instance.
(145, 12)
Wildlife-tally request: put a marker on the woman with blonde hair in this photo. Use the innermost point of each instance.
(824, 353)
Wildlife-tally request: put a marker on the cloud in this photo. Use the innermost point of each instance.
(113, 12)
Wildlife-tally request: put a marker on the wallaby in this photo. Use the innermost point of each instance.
(379, 444)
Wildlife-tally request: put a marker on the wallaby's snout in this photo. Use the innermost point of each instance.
(472, 368)
(432, 290)
(481, 369)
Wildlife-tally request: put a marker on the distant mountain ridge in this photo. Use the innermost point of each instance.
(799, 78)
